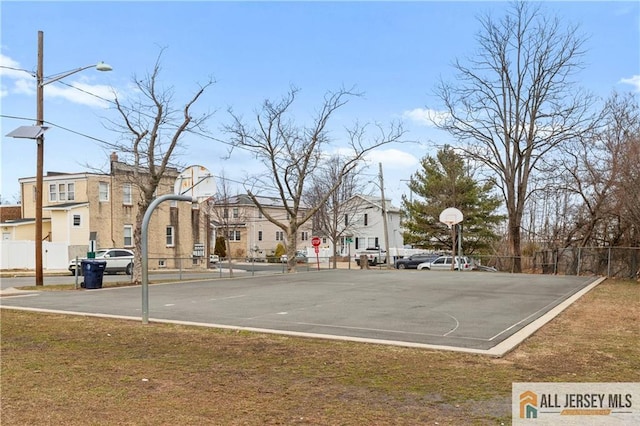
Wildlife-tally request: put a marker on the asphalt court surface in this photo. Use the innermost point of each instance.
(478, 312)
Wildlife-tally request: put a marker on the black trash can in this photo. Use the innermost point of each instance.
(93, 270)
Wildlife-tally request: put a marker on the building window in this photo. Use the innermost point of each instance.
(127, 199)
(279, 235)
(103, 191)
(76, 220)
(259, 235)
(71, 192)
(234, 235)
(170, 236)
(225, 213)
(304, 236)
(162, 263)
(366, 219)
(128, 236)
(53, 194)
(259, 214)
(346, 220)
(62, 192)
(236, 213)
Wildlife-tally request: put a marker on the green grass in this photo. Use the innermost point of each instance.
(72, 370)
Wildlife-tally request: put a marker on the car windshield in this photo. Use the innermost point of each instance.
(100, 253)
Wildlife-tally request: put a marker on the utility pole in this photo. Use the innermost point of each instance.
(40, 158)
(384, 219)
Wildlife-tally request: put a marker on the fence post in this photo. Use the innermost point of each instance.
(609, 263)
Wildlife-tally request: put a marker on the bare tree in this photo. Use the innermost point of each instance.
(151, 130)
(230, 216)
(604, 177)
(515, 102)
(329, 218)
(292, 154)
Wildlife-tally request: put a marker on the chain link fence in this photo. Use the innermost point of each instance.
(612, 262)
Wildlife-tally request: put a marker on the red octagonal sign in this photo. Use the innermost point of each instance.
(315, 241)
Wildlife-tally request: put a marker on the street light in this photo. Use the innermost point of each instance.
(39, 137)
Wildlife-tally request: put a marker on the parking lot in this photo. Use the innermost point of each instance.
(480, 312)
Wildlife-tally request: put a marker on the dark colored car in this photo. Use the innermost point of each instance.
(414, 260)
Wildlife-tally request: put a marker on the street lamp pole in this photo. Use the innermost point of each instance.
(39, 194)
(40, 158)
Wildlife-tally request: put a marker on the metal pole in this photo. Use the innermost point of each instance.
(145, 248)
(459, 247)
(40, 158)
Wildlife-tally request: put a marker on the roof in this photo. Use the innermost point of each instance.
(65, 206)
(25, 221)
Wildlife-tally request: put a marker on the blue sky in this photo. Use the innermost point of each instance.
(393, 52)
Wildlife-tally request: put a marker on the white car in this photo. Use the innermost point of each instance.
(118, 260)
(443, 263)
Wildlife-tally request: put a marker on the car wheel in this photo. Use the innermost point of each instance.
(129, 269)
(402, 266)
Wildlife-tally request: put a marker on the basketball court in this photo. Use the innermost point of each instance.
(478, 312)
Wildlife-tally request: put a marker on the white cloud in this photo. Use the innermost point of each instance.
(634, 81)
(392, 159)
(81, 93)
(426, 116)
(22, 82)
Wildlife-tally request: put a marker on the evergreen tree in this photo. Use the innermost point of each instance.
(442, 182)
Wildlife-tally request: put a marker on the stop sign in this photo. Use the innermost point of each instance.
(315, 241)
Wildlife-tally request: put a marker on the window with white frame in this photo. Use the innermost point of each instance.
(76, 220)
(304, 236)
(279, 235)
(61, 192)
(234, 235)
(71, 191)
(236, 213)
(127, 198)
(53, 193)
(128, 236)
(170, 234)
(103, 191)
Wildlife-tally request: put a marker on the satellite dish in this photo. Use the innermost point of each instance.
(451, 216)
(196, 182)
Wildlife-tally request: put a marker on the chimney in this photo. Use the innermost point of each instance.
(114, 157)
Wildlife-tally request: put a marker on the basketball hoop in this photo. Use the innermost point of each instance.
(451, 216)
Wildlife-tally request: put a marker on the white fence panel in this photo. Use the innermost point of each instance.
(20, 255)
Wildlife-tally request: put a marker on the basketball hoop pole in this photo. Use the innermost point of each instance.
(453, 245)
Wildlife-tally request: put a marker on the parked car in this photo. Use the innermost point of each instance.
(118, 260)
(301, 257)
(443, 263)
(214, 258)
(414, 260)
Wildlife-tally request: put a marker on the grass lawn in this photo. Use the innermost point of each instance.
(70, 370)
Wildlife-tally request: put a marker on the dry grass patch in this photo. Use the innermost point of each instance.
(77, 371)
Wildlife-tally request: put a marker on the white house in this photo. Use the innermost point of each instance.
(362, 226)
